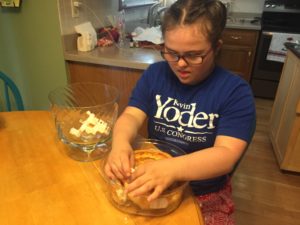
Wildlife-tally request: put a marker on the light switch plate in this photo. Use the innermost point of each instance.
(74, 9)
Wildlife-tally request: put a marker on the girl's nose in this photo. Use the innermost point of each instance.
(181, 62)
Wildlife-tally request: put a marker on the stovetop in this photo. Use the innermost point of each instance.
(279, 16)
(273, 3)
(283, 6)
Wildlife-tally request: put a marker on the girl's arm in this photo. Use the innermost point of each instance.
(218, 160)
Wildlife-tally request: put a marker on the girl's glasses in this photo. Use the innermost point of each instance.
(189, 58)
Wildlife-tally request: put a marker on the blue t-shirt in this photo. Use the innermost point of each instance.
(191, 116)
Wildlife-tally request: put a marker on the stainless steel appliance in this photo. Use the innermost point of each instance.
(279, 17)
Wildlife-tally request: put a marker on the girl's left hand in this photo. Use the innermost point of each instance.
(152, 177)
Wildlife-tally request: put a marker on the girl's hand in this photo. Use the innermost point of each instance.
(152, 177)
(119, 163)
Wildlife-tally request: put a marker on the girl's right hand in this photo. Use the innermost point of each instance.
(119, 163)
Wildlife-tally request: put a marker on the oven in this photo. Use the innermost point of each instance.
(280, 24)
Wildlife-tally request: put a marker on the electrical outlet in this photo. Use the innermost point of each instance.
(75, 9)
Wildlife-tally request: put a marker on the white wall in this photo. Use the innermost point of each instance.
(94, 11)
(249, 6)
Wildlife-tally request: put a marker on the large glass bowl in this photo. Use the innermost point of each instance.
(167, 202)
(84, 115)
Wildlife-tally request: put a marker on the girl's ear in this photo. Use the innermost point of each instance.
(218, 46)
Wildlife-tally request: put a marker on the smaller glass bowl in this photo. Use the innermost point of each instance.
(84, 115)
(167, 202)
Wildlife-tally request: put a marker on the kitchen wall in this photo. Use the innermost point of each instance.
(97, 11)
(31, 50)
(249, 6)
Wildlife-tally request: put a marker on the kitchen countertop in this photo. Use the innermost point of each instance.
(141, 58)
(134, 58)
(247, 21)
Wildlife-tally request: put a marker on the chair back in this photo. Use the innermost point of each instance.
(12, 96)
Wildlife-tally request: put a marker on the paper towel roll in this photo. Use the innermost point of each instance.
(88, 39)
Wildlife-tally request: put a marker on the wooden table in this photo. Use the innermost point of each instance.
(41, 185)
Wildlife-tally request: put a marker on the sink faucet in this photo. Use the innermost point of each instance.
(158, 16)
(150, 17)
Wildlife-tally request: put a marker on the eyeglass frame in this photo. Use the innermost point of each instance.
(182, 56)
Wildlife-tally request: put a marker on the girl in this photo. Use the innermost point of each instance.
(192, 103)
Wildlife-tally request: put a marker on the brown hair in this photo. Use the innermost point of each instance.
(211, 15)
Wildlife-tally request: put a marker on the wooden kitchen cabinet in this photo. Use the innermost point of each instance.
(238, 51)
(124, 79)
(285, 117)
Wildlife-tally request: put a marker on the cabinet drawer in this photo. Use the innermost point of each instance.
(240, 37)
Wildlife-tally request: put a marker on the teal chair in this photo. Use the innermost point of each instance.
(11, 90)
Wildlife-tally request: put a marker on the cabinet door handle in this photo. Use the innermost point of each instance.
(249, 53)
(236, 37)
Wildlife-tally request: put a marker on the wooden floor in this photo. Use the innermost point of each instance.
(263, 194)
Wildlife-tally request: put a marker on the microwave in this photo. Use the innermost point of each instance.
(293, 4)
